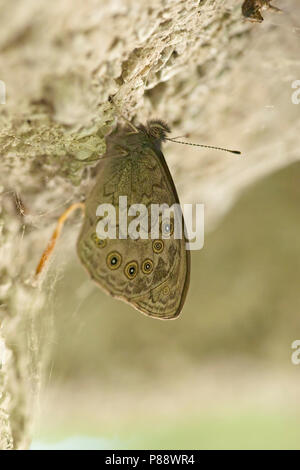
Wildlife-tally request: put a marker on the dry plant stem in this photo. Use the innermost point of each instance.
(51, 245)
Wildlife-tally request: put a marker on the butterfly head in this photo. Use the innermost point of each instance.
(157, 130)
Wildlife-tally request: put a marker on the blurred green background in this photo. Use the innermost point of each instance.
(220, 376)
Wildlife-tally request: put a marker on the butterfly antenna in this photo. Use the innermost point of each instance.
(237, 152)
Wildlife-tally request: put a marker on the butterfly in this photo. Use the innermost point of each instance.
(152, 275)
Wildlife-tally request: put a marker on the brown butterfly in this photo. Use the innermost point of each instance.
(152, 275)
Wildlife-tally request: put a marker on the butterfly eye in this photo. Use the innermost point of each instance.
(158, 246)
(131, 269)
(114, 260)
(100, 242)
(147, 266)
(167, 228)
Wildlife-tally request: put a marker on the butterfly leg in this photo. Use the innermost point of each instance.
(132, 126)
(51, 245)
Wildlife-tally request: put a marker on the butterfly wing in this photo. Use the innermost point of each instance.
(143, 176)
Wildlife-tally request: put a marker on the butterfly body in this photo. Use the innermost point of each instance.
(152, 275)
